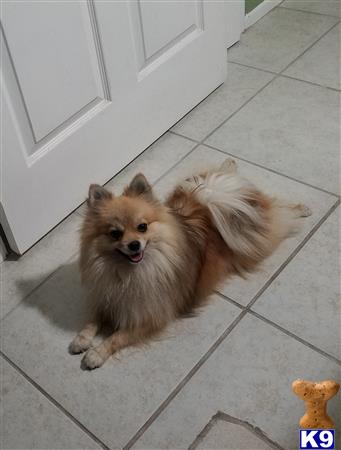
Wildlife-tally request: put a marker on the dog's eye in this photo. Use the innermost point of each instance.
(142, 227)
(115, 234)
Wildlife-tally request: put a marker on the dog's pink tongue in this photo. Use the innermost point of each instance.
(137, 257)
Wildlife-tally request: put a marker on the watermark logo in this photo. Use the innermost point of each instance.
(320, 439)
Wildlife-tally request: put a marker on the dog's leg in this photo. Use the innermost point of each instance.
(300, 210)
(286, 217)
(96, 356)
(297, 210)
(83, 340)
(229, 166)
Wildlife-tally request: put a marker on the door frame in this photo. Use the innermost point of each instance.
(3, 252)
(260, 11)
(242, 21)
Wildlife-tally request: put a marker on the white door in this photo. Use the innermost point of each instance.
(86, 86)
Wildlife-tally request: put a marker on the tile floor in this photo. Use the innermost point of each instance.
(223, 380)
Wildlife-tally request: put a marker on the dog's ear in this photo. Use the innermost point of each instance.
(97, 194)
(139, 186)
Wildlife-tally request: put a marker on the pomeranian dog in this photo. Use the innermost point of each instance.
(146, 263)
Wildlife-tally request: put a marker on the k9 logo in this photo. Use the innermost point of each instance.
(317, 439)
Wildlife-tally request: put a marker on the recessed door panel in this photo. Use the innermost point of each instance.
(159, 28)
(163, 22)
(52, 49)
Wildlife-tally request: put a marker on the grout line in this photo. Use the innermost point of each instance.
(251, 67)
(253, 429)
(244, 312)
(286, 262)
(54, 402)
(272, 170)
(309, 47)
(184, 381)
(294, 336)
(230, 300)
(297, 57)
(275, 76)
(209, 134)
(283, 70)
(227, 118)
(310, 82)
(176, 164)
(204, 432)
(284, 76)
(256, 164)
(247, 308)
(31, 292)
(308, 12)
(294, 253)
(186, 137)
(238, 109)
(279, 327)
(201, 101)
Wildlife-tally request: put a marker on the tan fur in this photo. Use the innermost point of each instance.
(185, 255)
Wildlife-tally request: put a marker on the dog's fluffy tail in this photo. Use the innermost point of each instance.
(239, 211)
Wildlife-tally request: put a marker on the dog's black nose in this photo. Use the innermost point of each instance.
(134, 246)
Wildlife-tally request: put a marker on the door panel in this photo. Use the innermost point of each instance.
(164, 22)
(54, 59)
(87, 87)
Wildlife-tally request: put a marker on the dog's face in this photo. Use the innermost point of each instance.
(121, 227)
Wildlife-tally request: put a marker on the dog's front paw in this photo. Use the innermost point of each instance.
(303, 210)
(229, 166)
(91, 360)
(80, 344)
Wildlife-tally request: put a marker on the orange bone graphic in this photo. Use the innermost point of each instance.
(315, 396)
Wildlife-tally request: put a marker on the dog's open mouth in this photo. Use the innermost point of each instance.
(135, 258)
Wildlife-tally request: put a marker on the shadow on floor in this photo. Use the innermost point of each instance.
(60, 298)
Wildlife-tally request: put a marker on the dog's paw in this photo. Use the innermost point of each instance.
(229, 166)
(91, 360)
(303, 211)
(80, 344)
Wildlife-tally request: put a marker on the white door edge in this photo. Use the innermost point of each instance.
(235, 21)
